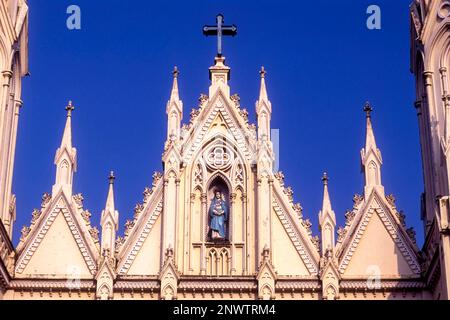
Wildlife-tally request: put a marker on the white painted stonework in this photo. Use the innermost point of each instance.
(269, 250)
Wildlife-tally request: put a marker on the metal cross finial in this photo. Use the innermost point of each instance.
(220, 30)
(368, 109)
(175, 72)
(111, 177)
(263, 72)
(70, 107)
(325, 178)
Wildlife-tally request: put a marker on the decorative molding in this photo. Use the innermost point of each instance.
(60, 207)
(295, 237)
(195, 143)
(384, 284)
(393, 229)
(61, 284)
(134, 248)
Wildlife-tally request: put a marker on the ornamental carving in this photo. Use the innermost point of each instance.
(25, 232)
(128, 226)
(35, 215)
(307, 224)
(299, 210)
(86, 216)
(218, 157)
(156, 177)
(138, 209)
(391, 200)
(94, 233)
(202, 100)
(78, 198)
(401, 217)
(411, 234)
(198, 175)
(236, 100)
(349, 216)
(147, 193)
(341, 234)
(280, 177)
(46, 197)
(244, 115)
(444, 10)
(290, 193)
(357, 200)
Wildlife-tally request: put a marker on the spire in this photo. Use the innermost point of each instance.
(327, 218)
(110, 198)
(263, 91)
(370, 137)
(109, 221)
(67, 135)
(263, 109)
(326, 203)
(174, 96)
(371, 160)
(65, 157)
(174, 110)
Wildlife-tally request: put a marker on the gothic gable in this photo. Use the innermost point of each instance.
(140, 251)
(218, 116)
(377, 243)
(291, 240)
(57, 233)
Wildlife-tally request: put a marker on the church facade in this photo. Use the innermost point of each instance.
(218, 222)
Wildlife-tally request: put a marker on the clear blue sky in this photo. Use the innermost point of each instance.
(322, 61)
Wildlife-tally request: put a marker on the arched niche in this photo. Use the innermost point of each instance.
(218, 184)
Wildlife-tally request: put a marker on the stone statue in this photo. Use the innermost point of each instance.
(218, 213)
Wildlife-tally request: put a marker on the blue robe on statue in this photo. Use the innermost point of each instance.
(218, 212)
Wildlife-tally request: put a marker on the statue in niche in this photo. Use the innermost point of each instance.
(218, 215)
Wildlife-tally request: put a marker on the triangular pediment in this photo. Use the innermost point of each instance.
(140, 253)
(291, 242)
(219, 116)
(58, 245)
(377, 243)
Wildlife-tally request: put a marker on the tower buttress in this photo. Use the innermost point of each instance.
(371, 160)
(327, 219)
(65, 159)
(263, 109)
(109, 221)
(265, 159)
(430, 63)
(174, 110)
(14, 62)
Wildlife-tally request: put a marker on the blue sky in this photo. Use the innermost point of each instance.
(322, 62)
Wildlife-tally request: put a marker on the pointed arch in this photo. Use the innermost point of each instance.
(238, 174)
(199, 175)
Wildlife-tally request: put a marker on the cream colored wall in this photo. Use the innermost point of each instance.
(377, 249)
(58, 255)
(147, 262)
(286, 259)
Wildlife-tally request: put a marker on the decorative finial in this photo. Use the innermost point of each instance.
(263, 72)
(70, 107)
(175, 72)
(111, 177)
(325, 178)
(368, 109)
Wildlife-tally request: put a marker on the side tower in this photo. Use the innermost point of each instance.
(430, 63)
(13, 66)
